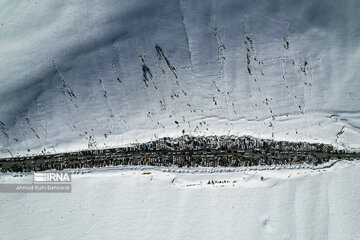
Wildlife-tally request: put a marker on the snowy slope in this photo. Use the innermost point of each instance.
(125, 204)
(79, 74)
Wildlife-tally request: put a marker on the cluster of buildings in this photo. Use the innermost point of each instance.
(186, 151)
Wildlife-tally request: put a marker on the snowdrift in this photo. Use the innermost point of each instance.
(299, 203)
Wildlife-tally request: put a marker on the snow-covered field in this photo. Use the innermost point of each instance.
(73, 72)
(180, 204)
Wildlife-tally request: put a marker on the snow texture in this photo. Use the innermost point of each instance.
(94, 74)
(299, 203)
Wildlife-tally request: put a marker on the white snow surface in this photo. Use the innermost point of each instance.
(53, 54)
(123, 203)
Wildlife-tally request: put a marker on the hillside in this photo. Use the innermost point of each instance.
(76, 75)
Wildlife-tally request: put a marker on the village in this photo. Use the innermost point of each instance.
(186, 151)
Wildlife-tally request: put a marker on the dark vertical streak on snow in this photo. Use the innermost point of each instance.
(6, 131)
(66, 87)
(161, 55)
(286, 44)
(147, 75)
(110, 112)
(341, 132)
